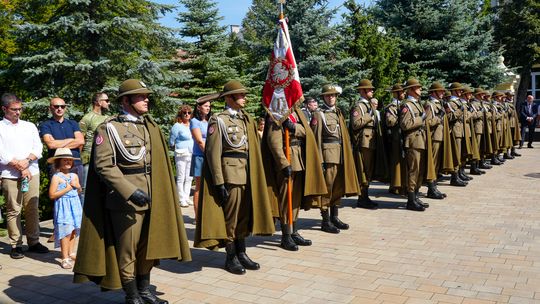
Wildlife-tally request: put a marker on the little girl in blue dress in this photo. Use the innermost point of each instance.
(64, 190)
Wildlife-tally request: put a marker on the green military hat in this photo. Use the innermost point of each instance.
(447, 93)
(436, 86)
(455, 86)
(497, 94)
(132, 87)
(396, 88)
(329, 89)
(233, 87)
(412, 83)
(478, 91)
(365, 84)
(467, 90)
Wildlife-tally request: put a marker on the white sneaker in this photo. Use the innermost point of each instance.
(184, 204)
(190, 202)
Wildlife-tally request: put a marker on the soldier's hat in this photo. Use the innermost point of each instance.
(467, 90)
(497, 94)
(455, 86)
(132, 87)
(447, 93)
(329, 89)
(478, 91)
(412, 83)
(365, 84)
(204, 99)
(395, 88)
(61, 153)
(232, 87)
(436, 86)
(509, 93)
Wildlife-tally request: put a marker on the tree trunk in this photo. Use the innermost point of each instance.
(524, 84)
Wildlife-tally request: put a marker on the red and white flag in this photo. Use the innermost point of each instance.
(282, 88)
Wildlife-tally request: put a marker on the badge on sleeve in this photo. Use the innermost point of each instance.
(211, 130)
(404, 110)
(355, 113)
(313, 121)
(99, 139)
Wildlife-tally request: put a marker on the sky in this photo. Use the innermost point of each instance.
(233, 11)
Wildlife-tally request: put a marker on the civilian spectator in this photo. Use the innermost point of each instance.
(20, 148)
(199, 126)
(88, 125)
(60, 132)
(181, 141)
(64, 191)
(528, 121)
(260, 126)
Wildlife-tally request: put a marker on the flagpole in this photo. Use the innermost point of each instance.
(287, 152)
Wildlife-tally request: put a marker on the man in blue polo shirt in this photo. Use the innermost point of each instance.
(59, 132)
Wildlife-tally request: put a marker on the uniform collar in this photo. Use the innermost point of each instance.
(433, 99)
(327, 108)
(130, 117)
(395, 101)
(362, 99)
(410, 98)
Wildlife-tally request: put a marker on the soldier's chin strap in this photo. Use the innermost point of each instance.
(132, 107)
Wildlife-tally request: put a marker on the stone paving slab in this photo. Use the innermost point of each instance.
(481, 245)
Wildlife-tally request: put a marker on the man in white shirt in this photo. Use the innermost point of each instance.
(20, 148)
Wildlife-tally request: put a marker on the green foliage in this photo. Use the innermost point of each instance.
(314, 41)
(449, 40)
(363, 38)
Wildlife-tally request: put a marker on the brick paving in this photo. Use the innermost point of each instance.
(481, 245)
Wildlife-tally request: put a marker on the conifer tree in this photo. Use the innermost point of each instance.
(74, 48)
(210, 55)
(450, 40)
(315, 44)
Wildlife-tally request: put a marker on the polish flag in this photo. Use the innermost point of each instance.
(282, 88)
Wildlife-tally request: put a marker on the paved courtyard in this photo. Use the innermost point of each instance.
(480, 245)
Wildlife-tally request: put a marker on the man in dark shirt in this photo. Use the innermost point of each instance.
(60, 132)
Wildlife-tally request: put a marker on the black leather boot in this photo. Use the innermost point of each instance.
(335, 219)
(365, 202)
(298, 239)
(501, 158)
(507, 156)
(287, 242)
(132, 293)
(433, 192)
(474, 169)
(495, 161)
(143, 285)
(463, 176)
(514, 153)
(243, 258)
(232, 264)
(326, 224)
(484, 165)
(437, 190)
(456, 181)
(412, 204)
(418, 201)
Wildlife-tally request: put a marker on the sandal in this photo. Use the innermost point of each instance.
(66, 263)
(73, 257)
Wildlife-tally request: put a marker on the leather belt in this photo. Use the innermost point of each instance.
(331, 141)
(129, 171)
(235, 155)
(295, 143)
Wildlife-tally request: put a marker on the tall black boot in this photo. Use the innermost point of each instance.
(287, 242)
(298, 239)
(484, 165)
(514, 153)
(143, 285)
(475, 170)
(462, 175)
(335, 219)
(232, 264)
(456, 181)
(495, 161)
(243, 258)
(365, 202)
(437, 190)
(501, 158)
(412, 204)
(132, 294)
(418, 201)
(433, 192)
(326, 225)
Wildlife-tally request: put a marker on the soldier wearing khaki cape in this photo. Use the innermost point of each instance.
(394, 142)
(475, 107)
(335, 150)
(513, 122)
(234, 202)
(435, 120)
(413, 127)
(455, 112)
(131, 216)
(363, 136)
(304, 169)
